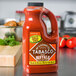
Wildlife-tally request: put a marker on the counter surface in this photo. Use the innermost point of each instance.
(67, 66)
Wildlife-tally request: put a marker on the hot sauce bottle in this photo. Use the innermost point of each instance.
(40, 49)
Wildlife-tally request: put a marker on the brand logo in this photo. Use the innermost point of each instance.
(42, 51)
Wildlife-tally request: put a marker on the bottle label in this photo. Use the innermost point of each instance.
(41, 52)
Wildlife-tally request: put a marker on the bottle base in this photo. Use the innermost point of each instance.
(41, 69)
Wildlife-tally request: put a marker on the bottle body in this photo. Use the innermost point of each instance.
(40, 50)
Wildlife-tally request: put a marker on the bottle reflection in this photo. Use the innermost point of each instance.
(45, 74)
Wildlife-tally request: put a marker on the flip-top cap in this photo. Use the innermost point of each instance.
(35, 4)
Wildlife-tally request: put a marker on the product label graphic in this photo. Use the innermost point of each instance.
(41, 52)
